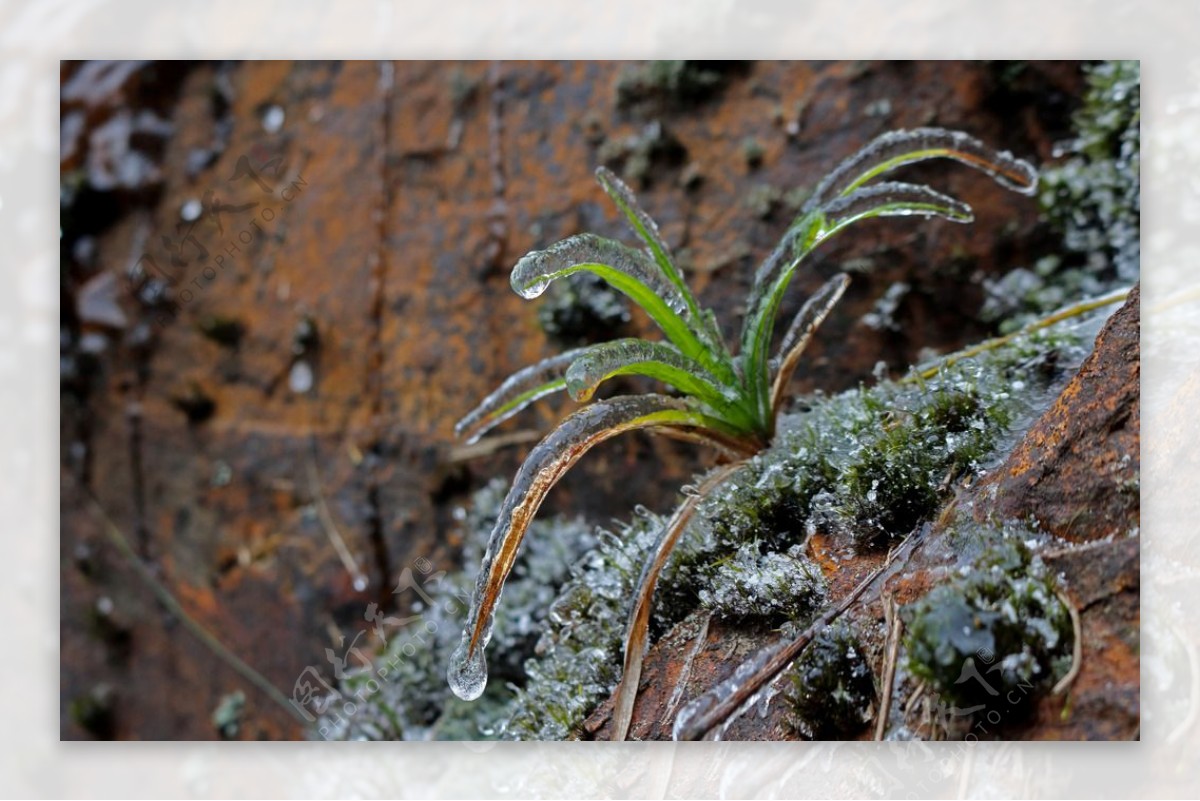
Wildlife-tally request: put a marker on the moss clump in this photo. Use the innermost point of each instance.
(1093, 198)
(906, 460)
(771, 586)
(583, 309)
(579, 654)
(832, 686)
(994, 634)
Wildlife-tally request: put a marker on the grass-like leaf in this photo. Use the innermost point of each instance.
(518, 391)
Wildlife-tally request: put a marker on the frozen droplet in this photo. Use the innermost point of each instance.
(300, 379)
(360, 582)
(272, 119)
(468, 671)
(191, 210)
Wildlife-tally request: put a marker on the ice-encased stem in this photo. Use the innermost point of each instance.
(891, 199)
(800, 332)
(546, 463)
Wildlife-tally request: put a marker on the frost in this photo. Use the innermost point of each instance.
(770, 585)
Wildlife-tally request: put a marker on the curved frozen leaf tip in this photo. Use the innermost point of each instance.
(657, 360)
(535, 271)
(897, 148)
(545, 465)
(892, 199)
(518, 391)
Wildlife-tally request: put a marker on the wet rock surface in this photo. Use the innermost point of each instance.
(383, 205)
(1094, 562)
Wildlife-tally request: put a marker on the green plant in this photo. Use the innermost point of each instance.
(728, 401)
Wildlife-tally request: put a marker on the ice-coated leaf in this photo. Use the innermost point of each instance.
(770, 281)
(799, 333)
(518, 391)
(634, 274)
(657, 360)
(627, 270)
(892, 199)
(647, 230)
(813, 312)
(537, 269)
(897, 148)
(542, 469)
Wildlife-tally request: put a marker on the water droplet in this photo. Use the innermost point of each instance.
(272, 119)
(360, 583)
(191, 210)
(468, 672)
(300, 379)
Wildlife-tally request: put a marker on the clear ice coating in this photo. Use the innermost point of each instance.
(897, 148)
(811, 314)
(536, 270)
(890, 199)
(541, 470)
(655, 359)
(468, 673)
(706, 710)
(643, 225)
(518, 391)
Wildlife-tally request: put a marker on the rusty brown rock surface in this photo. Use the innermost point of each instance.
(1077, 470)
(398, 196)
(1096, 561)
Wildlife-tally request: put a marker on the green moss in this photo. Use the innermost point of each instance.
(832, 686)
(772, 585)
(579, 654)
(1092, 198)
(995, 633)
